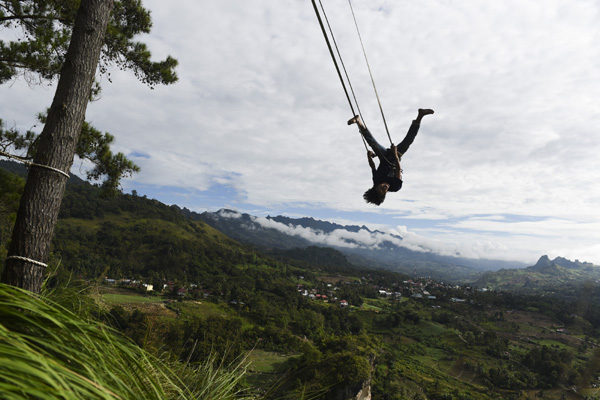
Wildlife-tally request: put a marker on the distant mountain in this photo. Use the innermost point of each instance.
(546, 274)
(544, 265)
(245, 229)
(362, 246)
(324, 226)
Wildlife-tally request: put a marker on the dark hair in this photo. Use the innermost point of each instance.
(373, 196)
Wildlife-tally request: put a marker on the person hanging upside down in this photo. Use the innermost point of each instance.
(387, 177)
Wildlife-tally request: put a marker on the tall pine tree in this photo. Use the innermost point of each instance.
(101, 33)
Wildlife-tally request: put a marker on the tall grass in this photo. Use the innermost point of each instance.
(48, 352)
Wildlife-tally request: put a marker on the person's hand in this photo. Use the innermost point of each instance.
(370, 154)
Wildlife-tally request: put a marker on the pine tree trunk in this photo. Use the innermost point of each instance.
(40, 204)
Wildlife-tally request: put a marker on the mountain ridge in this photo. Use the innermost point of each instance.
(546, 274)
(360, 244)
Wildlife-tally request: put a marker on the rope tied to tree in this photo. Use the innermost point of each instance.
(29, 260)
(32, 164)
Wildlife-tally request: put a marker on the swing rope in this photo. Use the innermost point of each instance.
(335, 63)
(370, 73)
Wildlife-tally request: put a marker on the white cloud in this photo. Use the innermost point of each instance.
(437, 242)
(231, 214)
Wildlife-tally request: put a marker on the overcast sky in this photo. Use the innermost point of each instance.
(507, 167)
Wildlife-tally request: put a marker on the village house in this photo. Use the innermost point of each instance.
(148, 287)
(455, 300)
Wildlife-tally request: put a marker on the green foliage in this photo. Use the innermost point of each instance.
(494, 345)
(41, 48)
(330, 368)
(47, 352)
(11, 188)
(12, 138)
(44, 32)
(215, 335)
(554, 366)
(46, 28)
(93, 146)
(138, 236)
(327, 259)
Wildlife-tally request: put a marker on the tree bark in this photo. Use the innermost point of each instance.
(40, 204)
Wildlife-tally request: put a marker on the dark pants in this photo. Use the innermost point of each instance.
(386, 154)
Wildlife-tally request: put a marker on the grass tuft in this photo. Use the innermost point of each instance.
(48, 352)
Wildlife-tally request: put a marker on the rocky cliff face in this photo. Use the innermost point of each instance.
(358, 391)
(365, 392)
(361, 391)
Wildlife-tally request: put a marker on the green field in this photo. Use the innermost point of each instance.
(267, 361)
(119, 298)
(200, 309)
(267, 369)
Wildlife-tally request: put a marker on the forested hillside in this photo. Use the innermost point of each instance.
(311, 324)
(362, 246)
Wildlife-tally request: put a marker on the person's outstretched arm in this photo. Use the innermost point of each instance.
(398, 171)
(370, 156)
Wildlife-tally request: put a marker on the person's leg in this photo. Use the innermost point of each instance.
(403, 146)
(377, 148)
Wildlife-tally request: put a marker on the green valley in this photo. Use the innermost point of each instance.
(303, 329)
